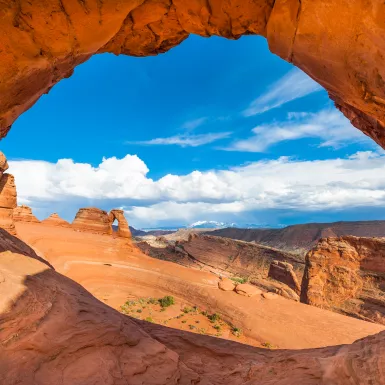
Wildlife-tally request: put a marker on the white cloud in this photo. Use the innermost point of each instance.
(193, 124)
(294, 85)
(328, 125)
(185, 140)
(284, 183)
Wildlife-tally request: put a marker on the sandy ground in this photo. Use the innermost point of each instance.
(115, 271)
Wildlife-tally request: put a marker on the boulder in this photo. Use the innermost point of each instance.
(284, 272)
(226, 284)
(247, 290)
(55, 220)
(92, 220)
(24, 214)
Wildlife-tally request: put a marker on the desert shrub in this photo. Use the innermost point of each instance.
(239, 280)
(166, 301)
(267, 345)
(192, 327)
(236, 331)
(149, 319)
(217, 327)
(214, 317)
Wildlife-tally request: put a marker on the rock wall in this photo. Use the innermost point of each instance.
(347, 274)
(339, 43)
(24, 214)
(55, 220)
(284, 272)
(8, 197)
(93, 220)
(123, 228)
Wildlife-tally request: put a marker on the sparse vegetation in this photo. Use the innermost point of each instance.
(267, 345)
(237, 332)
(166, 301)
(214, 317)
(239, 280)
(149, 319)
(192, 327)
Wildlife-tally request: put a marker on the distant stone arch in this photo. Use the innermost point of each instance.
(123, 228)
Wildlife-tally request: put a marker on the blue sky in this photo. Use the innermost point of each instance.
(183, 127)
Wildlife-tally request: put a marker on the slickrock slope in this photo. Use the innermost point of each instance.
(8, 197)
(92, 219)
(54, 331)
(123, 229)
(24, 214)
(301, 238)
(347, 274)
(337, 42)
(55, 220)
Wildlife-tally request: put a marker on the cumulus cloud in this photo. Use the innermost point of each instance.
(294, 85)
(283, 183)
(185, 140)
(328, 125)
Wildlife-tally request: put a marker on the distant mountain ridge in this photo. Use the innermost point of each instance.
(300, 238)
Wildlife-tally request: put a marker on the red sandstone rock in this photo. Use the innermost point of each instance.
(226, 284)
(55, 220)
(92, 220)
(24, 214)
(347, 273)
(284, 272)
(336, 42)
(247, 290)
(123, 228)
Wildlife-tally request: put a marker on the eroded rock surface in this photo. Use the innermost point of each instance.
(123, 228)
(93, 220)
(338, 43)
(55, 220)
(284, 272)
(8, 197)
(24, 214)
(347, 274)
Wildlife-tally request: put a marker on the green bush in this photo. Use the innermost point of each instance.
(214, 317)
(239, 280)
(166, 301)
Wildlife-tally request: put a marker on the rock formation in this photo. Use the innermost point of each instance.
(93, 220)
(336, 43)
(123, 229)
(54, 331)
(8, 197)
(347, 274)
(284, 272)
(24, 214)
(55, 220)
(226, 284)
(247, 290)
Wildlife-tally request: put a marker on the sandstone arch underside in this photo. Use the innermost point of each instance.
(339, 43)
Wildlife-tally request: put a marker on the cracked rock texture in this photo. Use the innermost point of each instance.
(347, 274)
(339, 43)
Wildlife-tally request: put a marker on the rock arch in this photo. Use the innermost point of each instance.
(339, 43)
(123, 228)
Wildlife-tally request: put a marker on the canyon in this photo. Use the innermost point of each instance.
(56, 281)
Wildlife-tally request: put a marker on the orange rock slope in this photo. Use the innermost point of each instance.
(339, 43)
(54, 331)
(55, 220)
(92, 219)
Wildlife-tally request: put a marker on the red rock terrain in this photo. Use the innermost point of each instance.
(338, 43)
(8, 197)
(54, 331)
(93, 220)
(55, 220)
(347, 274)
(301, 238)
(24, 214)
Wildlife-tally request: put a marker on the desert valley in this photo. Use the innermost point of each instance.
(93, 301)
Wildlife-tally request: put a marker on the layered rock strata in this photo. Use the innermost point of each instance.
(123, 228)
(8, 197)
(347, 274)
(24, 214)
(92, 220)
